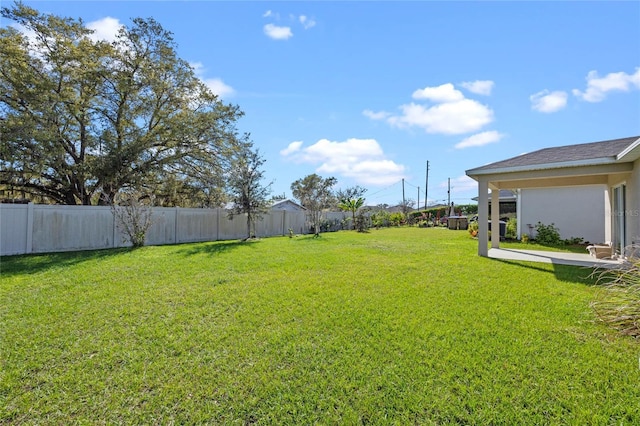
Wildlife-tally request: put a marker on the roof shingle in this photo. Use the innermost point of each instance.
(560, 154)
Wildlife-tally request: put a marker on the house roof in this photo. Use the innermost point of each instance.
(603, 152)
(283, 204)
(506, 195)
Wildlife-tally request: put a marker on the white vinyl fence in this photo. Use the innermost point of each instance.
(37, 228)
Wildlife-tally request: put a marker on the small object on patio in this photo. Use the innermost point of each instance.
(601, 251)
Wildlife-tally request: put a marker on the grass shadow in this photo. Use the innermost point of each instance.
(566, 273)
(213, 248)
(40, 262)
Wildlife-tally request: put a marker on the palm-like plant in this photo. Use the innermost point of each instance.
(351, 205)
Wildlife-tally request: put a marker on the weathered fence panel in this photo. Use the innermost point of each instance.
(195, 225)
(163, 227)
(64, 228)
(233, 228)
(296, 221)
(13, 228)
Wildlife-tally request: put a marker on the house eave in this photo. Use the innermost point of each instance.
(480, 171)
(630, 153)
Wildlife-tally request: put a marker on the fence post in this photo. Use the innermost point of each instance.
(217, 224)
(175, 227)
(29, 242)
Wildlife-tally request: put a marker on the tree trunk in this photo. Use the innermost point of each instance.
(248, 226)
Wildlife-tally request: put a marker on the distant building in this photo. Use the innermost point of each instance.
(287, 205)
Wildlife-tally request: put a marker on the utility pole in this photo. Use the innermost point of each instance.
(418, 198)
(403, 202)
(426, 188)
(448, 191)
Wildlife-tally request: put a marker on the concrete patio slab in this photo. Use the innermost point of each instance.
(560, 258)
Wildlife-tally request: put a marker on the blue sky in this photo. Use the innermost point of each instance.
(368, 92)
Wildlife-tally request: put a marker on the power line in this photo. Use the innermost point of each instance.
(384, 189)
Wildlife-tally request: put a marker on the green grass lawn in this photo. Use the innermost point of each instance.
(396, 326)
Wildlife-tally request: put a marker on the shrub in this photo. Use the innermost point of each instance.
(547, 235)
(618, 302)
(361, 222)
(573, 241)
(132, 211)
(396, 219)
(473, 228)
(512, 228)
(380, 219)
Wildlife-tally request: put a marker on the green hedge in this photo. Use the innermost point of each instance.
(464, 209)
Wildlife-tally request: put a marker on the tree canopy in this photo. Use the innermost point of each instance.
(315, 194)
(351, 200)
(82, 119)
(249, 194)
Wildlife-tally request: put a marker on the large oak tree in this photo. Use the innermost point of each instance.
(82, 119)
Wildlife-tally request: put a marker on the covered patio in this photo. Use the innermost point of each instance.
(613, 164)
(557, 258)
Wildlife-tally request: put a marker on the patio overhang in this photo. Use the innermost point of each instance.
(555, 177)
(601, 163)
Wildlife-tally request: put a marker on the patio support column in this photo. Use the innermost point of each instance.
(518, 214)
(483, 217)
(608, 216)
(495, 218)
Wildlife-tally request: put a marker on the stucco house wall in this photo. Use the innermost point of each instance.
(577, 211)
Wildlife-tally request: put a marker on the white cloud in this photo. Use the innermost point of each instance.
(219, 87)
(458, 117)
(293, 147)
(443, 93)
(28, 34)
(277, 33)
(546, 101)
(216, 85)
(267, 14)
(306, 22)
(375, 115)
(479, 87)
(480, 139)
(598, 87)
(451, 114)
(360, 159)
(104, 29)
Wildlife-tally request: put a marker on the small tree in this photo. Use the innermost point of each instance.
(133, 215)
(362, 221)
(351, 200)
(246, 190)
(314, 193)
(351, 205)
(406, 205)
